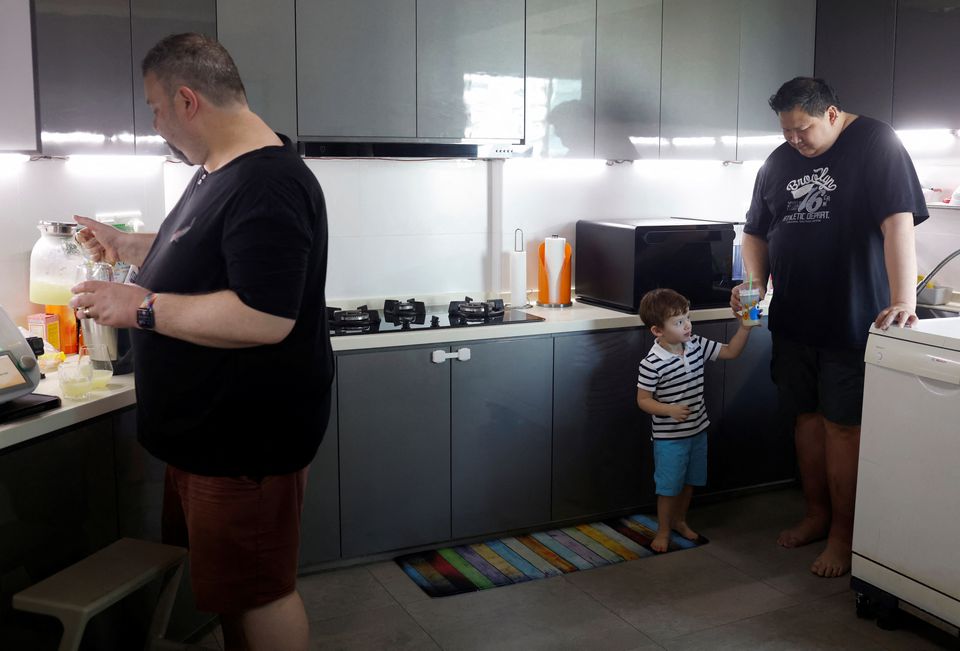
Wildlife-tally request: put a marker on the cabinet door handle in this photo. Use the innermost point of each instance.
(440, 356)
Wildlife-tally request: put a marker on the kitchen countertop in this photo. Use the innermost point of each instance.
(579, 317)
(118, 394)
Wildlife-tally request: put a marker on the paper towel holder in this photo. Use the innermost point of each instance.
(563, 290)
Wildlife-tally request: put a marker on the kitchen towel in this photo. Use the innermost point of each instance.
(517, 559)
(518, 278)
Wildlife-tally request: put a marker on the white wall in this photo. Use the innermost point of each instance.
(423, 229)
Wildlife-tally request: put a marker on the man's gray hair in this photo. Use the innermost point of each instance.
(198, 62)
(811, 94)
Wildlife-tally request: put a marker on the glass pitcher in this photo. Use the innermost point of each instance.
(53, 263)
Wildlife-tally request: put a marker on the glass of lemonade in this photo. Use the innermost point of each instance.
(98, 357)
(76, 378)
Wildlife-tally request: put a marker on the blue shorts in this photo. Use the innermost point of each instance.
(679, 462)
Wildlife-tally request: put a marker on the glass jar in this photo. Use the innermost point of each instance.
(53, 263)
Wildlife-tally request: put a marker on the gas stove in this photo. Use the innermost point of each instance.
(399, 316)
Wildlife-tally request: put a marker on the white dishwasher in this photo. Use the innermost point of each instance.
(906, 538)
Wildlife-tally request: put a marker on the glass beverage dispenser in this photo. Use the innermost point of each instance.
(53, 268)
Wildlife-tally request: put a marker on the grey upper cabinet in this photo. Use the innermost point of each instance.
(561, 70)
(261, 38)
(501, 436)
(18, 106)
(470, 69)
(700, 77)
(765, 25)
(150, 21)
(628, 79)
(84, 76)
(925, 90)
(854, 53)
(357, 69)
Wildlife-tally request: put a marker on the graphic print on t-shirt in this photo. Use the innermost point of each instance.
(810, 197)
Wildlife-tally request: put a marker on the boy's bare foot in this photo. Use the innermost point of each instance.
(685, 531)
(661, 542)
(808, 530)
(833, 561)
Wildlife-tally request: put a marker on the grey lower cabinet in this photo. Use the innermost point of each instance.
(602, 455)
(261, 38)
(500, 435)
(320, 519)
(431, 452)
(855, 53)
(754, 443)
(394, 436)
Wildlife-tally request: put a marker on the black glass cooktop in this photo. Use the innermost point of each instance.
(400, 316)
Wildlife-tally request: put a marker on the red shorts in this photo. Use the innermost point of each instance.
(243, 536)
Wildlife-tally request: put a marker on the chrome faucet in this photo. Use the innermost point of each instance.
(936, 270)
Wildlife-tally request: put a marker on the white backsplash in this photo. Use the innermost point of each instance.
(425, 229)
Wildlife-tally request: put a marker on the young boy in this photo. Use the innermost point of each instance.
(670, 389)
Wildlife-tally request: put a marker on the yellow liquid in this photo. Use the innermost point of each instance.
(100, 379)
(49, 294)
(75, 388)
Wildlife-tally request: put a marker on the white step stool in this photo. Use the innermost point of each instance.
(74, 595)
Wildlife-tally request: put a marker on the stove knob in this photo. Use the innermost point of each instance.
(434, 322)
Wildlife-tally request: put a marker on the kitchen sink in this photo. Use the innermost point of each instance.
(924, 312)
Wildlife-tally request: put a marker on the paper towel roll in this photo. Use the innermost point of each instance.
(518, 278)
(554, 251)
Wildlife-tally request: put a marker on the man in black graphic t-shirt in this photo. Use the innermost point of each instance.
(831, 221)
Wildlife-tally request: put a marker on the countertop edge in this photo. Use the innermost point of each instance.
(580, 317)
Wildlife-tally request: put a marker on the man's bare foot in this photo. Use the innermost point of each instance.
(661, 542)
(684, 530)
(808, 530)
(833, 561)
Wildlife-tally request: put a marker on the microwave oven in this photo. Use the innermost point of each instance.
(618, 262)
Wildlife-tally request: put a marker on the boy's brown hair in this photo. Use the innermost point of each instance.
(658, 305)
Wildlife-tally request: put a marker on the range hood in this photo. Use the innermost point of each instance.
(343, 149)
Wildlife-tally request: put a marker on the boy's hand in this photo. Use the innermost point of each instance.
(679, 412)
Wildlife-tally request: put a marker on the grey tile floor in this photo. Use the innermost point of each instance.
(741, 591)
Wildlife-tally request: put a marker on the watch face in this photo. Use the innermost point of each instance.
(145, 318)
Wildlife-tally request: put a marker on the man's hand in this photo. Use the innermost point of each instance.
(899, 313)
(679, 412)
(101, 242)
(111, 304)
(735, 303)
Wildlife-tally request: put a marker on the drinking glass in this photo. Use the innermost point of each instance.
(75, 376)
(98, 356)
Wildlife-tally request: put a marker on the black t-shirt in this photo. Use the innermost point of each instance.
(257, 226)
(821, 219)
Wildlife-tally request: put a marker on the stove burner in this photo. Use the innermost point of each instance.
(359, 320)
(472, 310)
(404, 313)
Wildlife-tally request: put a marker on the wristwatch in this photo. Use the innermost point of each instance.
(145, 318)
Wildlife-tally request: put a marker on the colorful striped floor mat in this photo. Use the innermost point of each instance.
(505, 561)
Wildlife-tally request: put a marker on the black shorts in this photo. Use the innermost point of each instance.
(826, 380)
